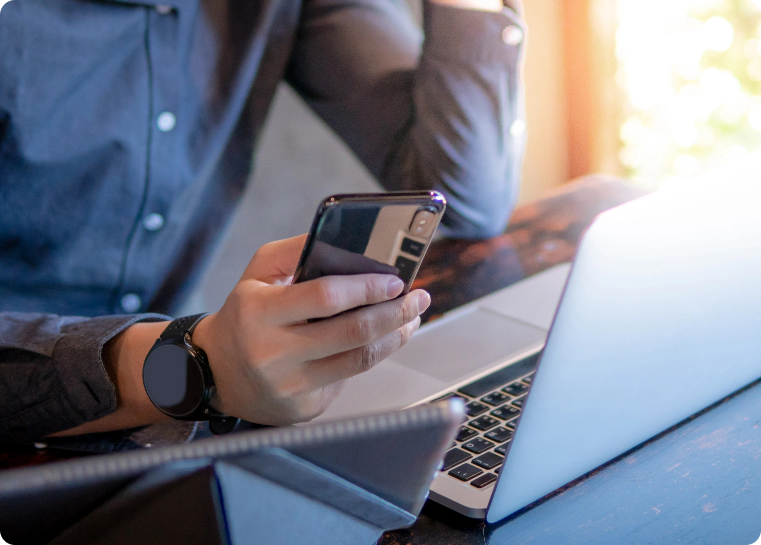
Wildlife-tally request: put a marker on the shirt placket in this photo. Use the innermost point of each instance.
(165, 121)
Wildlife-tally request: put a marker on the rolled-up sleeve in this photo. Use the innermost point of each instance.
(52, 376)
(441, 109)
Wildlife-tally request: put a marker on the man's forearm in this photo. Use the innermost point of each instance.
(443, 112)
(52, 371)
(123, 357)
(483, 5)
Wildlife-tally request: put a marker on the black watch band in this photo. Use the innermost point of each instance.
(178, 327)
(178, 378)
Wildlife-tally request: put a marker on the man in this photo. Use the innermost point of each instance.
(126, 132)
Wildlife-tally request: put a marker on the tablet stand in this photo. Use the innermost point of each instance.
(270, 496)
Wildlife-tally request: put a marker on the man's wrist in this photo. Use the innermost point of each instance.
(123, 358)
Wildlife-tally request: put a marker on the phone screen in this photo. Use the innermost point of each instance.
(371, 236)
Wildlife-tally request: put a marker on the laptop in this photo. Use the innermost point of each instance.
(658, 317)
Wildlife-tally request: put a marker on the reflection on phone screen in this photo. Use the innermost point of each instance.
(353, 238)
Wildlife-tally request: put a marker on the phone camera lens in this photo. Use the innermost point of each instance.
(422, 222)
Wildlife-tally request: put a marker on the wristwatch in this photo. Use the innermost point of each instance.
(178, 379)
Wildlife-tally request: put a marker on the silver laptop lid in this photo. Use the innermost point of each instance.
(660, 318)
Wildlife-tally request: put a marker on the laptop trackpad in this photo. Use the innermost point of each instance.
(458, 347)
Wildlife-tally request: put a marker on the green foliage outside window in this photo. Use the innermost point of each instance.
(691, 74)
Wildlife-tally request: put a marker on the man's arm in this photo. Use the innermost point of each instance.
(270, 365)
(442, 111)
(482, 5)
(123, 358)
(52, 372)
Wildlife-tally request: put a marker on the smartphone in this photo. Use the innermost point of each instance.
(371, 233)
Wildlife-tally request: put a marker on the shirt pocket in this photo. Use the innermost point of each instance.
(69, 64)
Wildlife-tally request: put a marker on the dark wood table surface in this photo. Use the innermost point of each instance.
(698, 483)
(541, 234)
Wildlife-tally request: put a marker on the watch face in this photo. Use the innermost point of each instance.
(173, 380)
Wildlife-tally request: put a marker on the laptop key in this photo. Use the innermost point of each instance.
(483, 423)
(506, 413)
(502, 449)
(529, 378)
(454, 457)
(475, 408)
(500, 434)
(483, 480)
(516, 388)
(477, 445)
(495, 398)
(465, 472)
(511, 424)
(501, 377)
(488, 460)
(519, 402)
(465, 433)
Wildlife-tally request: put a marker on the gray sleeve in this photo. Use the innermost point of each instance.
(421, 113)
(52, 376)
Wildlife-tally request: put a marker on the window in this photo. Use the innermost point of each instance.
(690, 75)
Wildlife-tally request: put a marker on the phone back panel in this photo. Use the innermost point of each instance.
(385, 233)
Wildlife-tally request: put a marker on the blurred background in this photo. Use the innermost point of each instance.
(651, 90)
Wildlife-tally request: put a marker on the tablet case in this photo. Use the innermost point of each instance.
(340, 482)
(269, 497)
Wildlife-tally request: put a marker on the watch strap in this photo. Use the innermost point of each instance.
(219, 423)
(177, 328)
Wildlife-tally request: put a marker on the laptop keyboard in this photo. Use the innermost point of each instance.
(493, 405)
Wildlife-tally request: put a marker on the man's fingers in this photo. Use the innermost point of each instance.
(275, 259)
(361, 326)
(331, 295)
(333, 369)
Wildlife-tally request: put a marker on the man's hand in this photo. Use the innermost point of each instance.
(270, 365)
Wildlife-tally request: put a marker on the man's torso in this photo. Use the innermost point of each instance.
(126, 134)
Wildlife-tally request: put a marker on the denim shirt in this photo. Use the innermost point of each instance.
(126, 138)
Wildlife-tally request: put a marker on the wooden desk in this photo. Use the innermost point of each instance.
(541, 235)
(699, 483)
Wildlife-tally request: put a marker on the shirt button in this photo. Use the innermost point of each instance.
(518, 127)
(153, 222)
(131, 302)
(163, 9)
(166, 121)
(512, 35)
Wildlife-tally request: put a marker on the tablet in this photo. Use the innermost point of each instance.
(391, 455)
